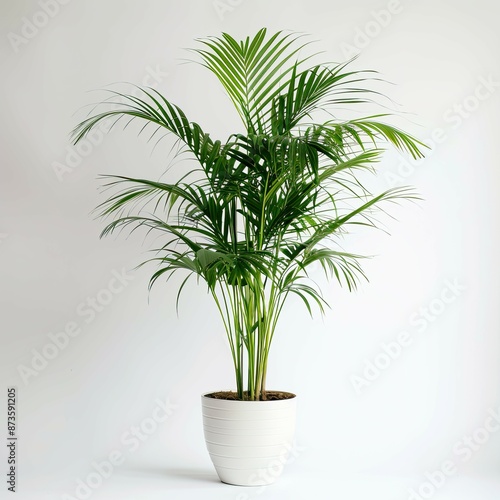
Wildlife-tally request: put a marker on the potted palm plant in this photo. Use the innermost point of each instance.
(255, 213)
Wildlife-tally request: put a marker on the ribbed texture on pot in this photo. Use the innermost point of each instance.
(248, 441)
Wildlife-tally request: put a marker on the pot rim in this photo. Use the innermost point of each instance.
(276, 401)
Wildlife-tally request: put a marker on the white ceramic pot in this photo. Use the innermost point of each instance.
(248, 441)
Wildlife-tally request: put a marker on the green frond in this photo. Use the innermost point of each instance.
(258, 210)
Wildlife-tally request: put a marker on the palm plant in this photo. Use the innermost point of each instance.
(258, 210)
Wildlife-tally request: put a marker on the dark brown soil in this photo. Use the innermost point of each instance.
(269, 395)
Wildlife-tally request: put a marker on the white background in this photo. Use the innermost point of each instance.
(376, 442)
